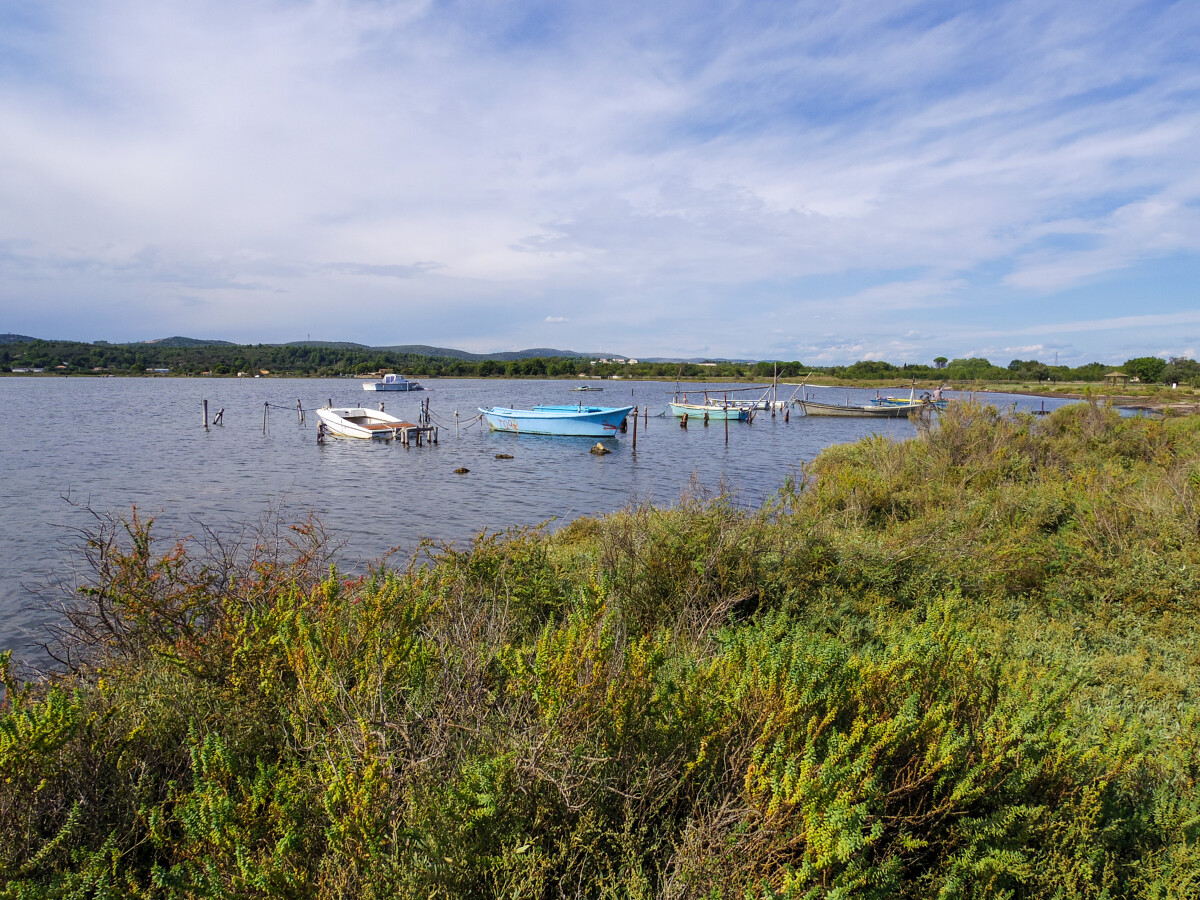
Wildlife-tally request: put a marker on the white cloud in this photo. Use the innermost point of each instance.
(676, 176)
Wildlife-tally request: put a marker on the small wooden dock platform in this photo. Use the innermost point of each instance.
(380, 426)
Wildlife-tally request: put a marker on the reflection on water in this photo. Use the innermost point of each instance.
(112, 443)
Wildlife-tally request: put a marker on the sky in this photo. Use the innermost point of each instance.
(816, 181)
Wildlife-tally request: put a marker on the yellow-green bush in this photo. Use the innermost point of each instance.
(960, 666)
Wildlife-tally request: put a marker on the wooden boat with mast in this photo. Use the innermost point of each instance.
(893, 409)
(867, 411)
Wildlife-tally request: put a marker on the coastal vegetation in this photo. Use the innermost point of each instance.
(962, 665)
(184, 357)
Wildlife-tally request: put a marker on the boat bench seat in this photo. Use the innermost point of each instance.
(380, 426)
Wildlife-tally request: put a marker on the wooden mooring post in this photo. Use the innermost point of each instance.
(299, 413)
(206, 415)
(635, 418)
(727, 419)
(266, 409)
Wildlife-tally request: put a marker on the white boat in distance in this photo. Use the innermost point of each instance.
(357, 422)
(393, 383)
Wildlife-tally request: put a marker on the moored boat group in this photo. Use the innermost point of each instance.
(580, 420)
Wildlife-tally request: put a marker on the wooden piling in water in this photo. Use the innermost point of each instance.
(206, 415)
(299, 413)
(266, 408)
(726, 418)
(635, 418)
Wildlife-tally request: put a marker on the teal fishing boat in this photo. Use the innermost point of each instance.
(714, 410)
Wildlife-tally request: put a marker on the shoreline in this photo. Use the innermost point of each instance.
(1188, 406)
(1121, 401)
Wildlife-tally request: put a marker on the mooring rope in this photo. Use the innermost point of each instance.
(295, 408)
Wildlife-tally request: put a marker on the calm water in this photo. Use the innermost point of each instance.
(110, 443)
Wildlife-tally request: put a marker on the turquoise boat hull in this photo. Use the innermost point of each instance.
(567, 421)
(714, 413)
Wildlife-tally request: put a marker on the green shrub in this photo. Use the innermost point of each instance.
(959, 666)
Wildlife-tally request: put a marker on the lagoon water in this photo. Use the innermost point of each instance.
(70, 444)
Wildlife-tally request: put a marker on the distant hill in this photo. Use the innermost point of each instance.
(185, 342)
(425, 350)
(332, 345)
(447, 352)
(412, 349)
(543, 352)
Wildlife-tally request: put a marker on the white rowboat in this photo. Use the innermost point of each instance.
(357, 422)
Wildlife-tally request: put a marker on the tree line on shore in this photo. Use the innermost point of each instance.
(959, 666)
(66, 357)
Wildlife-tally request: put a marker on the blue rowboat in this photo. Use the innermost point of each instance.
(580, 420)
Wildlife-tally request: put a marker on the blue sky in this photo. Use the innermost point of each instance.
(817, 181)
